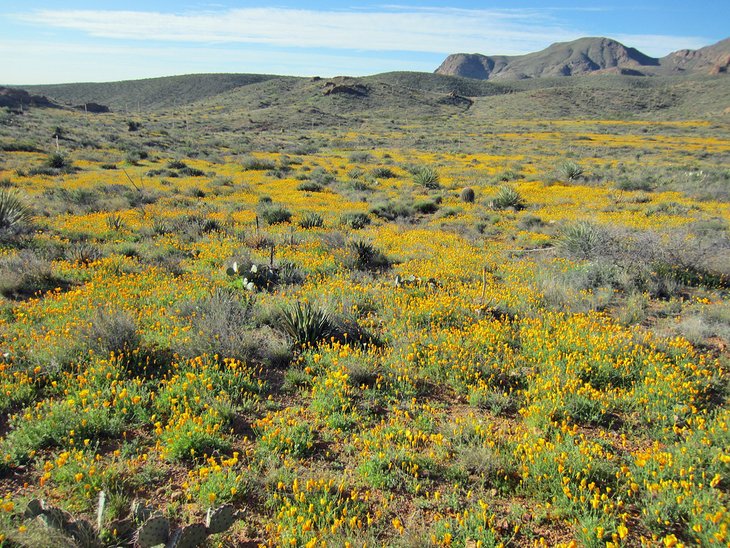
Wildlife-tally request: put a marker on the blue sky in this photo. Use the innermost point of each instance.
(80, 41)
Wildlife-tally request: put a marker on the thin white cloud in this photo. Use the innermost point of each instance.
(46, 62)
(433, 30)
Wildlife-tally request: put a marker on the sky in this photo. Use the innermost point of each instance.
(45, 42)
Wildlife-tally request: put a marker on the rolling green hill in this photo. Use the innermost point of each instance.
(266, 101)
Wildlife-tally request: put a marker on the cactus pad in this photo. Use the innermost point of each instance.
(152, 532)
(219, 519)
(188, 537)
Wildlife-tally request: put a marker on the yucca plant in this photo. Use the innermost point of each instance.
(305, 324)
(311, 220)
(427, 177)
(13, 210)
(507, 197)
(581, 239)
(571, 171)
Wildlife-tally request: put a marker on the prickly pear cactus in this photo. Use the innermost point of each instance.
(55, 517)
(141, 512)
(188, 537)
(220, 519)
(34, 509)
(152, 532)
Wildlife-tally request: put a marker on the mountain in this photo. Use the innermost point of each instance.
(586, 56)
(714, 59)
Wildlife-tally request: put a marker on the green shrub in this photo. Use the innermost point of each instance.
(426, 206)
(311, 220)
(274, 215)
(427, 177)
(507, 197)
(570, 171)
(368, 257)
(14, 211)
(355, 221)
(305, 324)
(310, 186)
(581, 240)
(258, 164)
(56, 160)
(383, 173)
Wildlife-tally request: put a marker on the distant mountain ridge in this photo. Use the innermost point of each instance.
(586, 56)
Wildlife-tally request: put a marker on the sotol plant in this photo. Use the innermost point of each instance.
(13, 210)
(305, 324)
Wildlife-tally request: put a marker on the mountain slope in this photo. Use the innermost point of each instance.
(587, 56)
(712, 59)
(149, 93)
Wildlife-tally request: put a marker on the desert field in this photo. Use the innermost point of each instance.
(399, 331)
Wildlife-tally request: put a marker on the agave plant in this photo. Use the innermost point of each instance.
(305, 324)
(13, 210)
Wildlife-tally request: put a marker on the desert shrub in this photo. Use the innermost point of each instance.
(529, 222)
(310, 186)
(252, 163)
(176, 164)
(19, 146)
(56, 160)
(83, 253)
(322, 176)
(582, 240)
(467, 195)
(222, 324)
(363, 157)
(426, 206)
(507, 197)
(427, 177)
(383, 173)
(305, 324)
(355, 221)
(570, 171)
(14, 211)
(26, 274)
(367, 256)
(274, 215)
(390, 210)
(509, 175)
(311, 220)
(113, 330)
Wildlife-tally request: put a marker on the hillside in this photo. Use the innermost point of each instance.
(279, 102)
(149, 93)
(586, 56)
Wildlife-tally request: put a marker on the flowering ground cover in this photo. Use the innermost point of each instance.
(433, 333)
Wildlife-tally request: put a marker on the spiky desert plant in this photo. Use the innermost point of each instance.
(570, 170)
(581, 240)
(305, 323)
(427, 177)
(311, 220)
(13, 210)
(506, 197)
